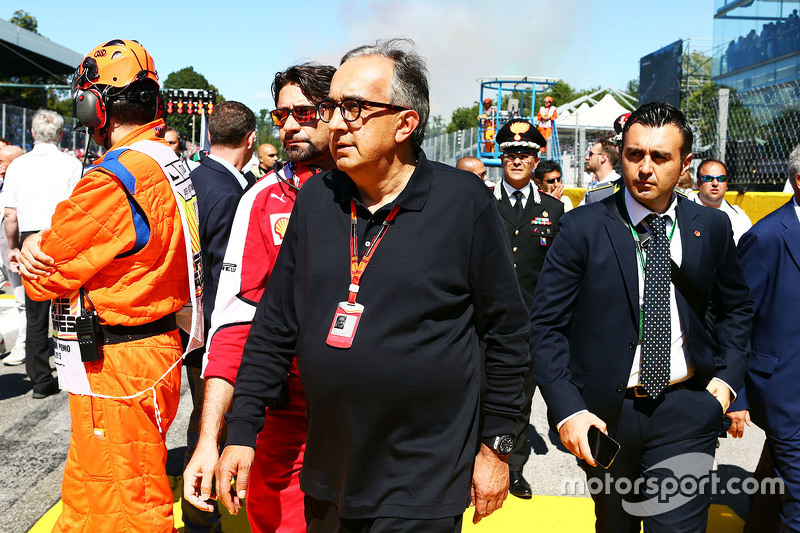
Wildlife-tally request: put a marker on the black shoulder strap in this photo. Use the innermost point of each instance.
(616, 204)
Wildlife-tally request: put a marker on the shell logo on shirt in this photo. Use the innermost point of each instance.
(279, 223)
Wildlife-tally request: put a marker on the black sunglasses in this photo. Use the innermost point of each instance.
(351, 108)
(708, 178)
(303, 114)
(553, 180)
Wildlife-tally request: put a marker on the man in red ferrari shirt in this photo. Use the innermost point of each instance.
(274, 501)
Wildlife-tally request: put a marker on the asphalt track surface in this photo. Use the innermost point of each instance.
(34, 436)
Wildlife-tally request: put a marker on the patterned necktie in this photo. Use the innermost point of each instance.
(657, 325)
(518, 205)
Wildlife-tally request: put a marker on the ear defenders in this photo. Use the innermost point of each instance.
(90, 108)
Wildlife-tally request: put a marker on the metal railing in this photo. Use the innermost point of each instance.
(753, 132)
(15, 125)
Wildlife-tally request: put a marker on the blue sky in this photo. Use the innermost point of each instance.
(239, 45)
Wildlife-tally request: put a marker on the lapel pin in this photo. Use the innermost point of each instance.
(696, 233)
(544, 214)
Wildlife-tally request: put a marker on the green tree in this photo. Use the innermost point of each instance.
(25, 20)
(267, 132)
(702, 108)
(188, 78)
(463, 118)
(436, 126)
(633, 88)
(782, 134)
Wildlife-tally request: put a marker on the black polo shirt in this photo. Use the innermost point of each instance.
(392, 421)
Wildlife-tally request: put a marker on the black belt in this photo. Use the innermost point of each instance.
(639, 392)
(119, 333)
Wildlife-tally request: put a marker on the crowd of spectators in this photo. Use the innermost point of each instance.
(776, 38)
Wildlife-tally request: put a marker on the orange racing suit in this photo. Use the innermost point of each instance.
(128, 252)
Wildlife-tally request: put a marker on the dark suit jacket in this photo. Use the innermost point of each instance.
(530, 236)
(585, 316)
(218, 193)
(770, 256)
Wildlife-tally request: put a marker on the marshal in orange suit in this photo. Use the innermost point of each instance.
(116, 247)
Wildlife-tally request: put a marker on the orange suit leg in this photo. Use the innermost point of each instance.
(274, 499)
(115, 478)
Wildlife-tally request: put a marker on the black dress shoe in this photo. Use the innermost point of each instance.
(48, 390)
(518, 486)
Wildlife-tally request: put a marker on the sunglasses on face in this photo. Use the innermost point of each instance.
(708, 178)
(303, 114)
(553, 180)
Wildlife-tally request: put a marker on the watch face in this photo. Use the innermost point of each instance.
(505, 444)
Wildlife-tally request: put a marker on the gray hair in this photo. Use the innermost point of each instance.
(46, 127)
(409, 86)
(794, 163)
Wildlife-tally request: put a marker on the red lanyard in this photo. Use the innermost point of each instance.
(357, 268)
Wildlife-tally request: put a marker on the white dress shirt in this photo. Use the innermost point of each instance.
(526, 192)
(740, 222)
(681, 366)
(36, 182)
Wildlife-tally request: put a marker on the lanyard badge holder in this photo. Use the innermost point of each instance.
(348, 314)
(87, 329)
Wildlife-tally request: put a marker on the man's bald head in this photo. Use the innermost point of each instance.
(474, 165)
(267, 155)
(8, 153)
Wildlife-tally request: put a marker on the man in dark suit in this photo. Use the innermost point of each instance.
(530, 218)
(770, 257)
(219, 185)
(608, 282)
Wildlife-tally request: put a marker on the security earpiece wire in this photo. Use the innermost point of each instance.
(284, 180)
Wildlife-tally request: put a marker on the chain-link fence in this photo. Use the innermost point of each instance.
(753, 132)
(573, 142)
(15, 125)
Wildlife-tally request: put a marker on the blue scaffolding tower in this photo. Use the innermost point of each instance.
(490, 120)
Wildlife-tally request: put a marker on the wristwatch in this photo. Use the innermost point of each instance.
(502, 444)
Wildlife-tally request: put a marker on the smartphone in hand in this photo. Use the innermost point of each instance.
(604, 449)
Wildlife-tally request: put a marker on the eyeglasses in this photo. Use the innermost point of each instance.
(351, 108)
(553, 180)
(590, 153)
(524, 158)
(708, 178)
(303, 114)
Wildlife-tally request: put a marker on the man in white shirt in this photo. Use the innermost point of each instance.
(8, 153)
(34, 184)
(712, 184)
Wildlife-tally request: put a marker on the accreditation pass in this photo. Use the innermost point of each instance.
(344, 325)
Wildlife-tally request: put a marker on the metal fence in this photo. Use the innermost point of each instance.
(15, 125)
(574, 142)
(753, 132)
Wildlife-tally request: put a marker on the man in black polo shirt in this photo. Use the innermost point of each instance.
(390, 361)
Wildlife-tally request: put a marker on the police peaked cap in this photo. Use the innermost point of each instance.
(520, 136)
(620, 122)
